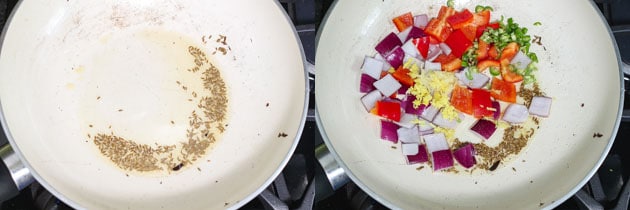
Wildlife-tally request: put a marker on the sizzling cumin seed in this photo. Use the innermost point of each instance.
(204, 121)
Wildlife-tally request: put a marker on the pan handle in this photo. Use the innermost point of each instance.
(14, 176)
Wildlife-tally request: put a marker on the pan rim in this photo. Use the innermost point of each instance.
(551, 205)
(236, 205)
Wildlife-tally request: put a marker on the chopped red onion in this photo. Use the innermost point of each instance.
(407, 105)
(369, 100)
(407, 120)
(421, 157)
(479, 80)
(387, 85)
(372, 67)
(515, 113)
(425, 128)
(445, 48)
(389, 131)
(442, 159)
(429, 113)
(421, 21)
(367, 83)
(434, 52)
(388, 44)
(497, 107)
(410, 49)
(409, 149)
(415, 33)
(439, 120)
(386, 65)
(412, 60)
(484, 128)
(540, 106)
(408, 135)
(404, 34)
(403, 90)
(432, 66)
(435, 142)
(521, 60)
(465, 156)
(395, 57)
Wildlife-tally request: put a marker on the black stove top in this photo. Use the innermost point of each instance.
(302, 184)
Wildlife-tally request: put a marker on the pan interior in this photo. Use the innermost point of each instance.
(126, 68)
(578, 68)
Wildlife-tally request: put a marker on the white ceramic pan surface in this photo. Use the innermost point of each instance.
(73, 68)
(579, 66)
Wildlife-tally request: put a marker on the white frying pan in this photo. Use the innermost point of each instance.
(73, 68)
(579, 66)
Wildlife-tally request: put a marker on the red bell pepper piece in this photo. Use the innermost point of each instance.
(449, 63)
(507, 73)
(461, 99)
(470, 32)
(481, 102)
(402, 75)
(494, 25)
(445, 12)
(422, 44)
(485, 64)
(481, 18)
(403, 21)
(458, 42)
(388, 109)
(438, 29)
(482, 50)
(509, 51)
(460, 19)
(502, 90)
(493, 53)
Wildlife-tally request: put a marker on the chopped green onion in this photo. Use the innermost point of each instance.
(494, 71)
(450, 3)
(478, 8)
(537, 24)
(469, 74)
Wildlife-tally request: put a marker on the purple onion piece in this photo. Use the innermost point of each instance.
(410, 50)
(387, 85)
(367, 84)
(388, 44)
(388, 131)
(445, 48)
(403, 34)
(415, 32)
(429, 113)
(421, 21)
(407, 120)
(484, 128)
(407, 105)
(395, 57)
(369, 100)
(436, 142)
(465, 156)
(521, 61)
(515, 113)
(409, 149)
(372, 67)
(408, 135)
(442, 159)
(403, 89)
(540, 106)
(497, 107)
(421, 157)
